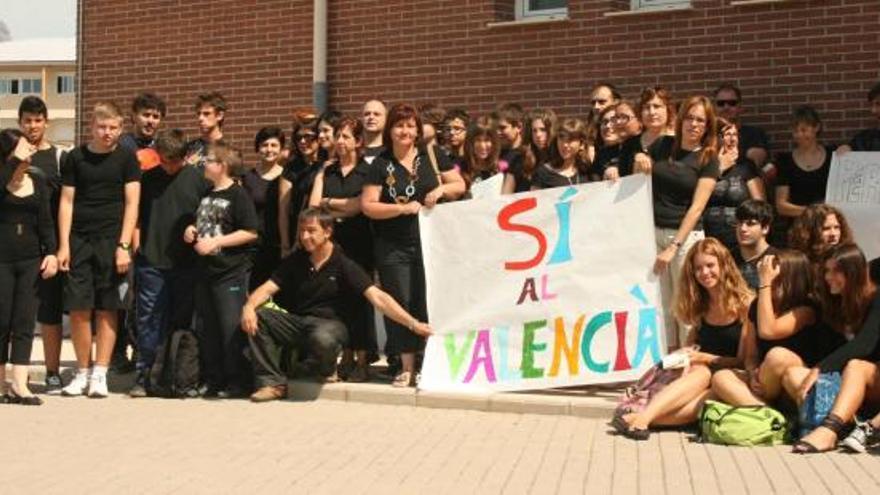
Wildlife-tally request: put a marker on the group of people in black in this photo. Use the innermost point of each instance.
(277, 266)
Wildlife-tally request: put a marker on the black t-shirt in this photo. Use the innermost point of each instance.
(546, 177)
(866, 140)
(220, 213)
(46, 161)
(99, 179)
(749, 268)
(352, 233)
(674, 180)
(607, 156)
(633, 146)
(752, 137)
(516, 165)
(720, 340)
(804, 188)
(371, 152)
(804, 343)
(301, 173)
(27, 230)
(196, 151)
(865, 345)
(719, 217)
(323, 292)
(403, 230)
(168, 205)
(264, 194)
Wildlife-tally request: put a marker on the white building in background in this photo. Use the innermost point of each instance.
(45, 68)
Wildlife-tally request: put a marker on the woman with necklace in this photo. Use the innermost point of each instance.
(27, 247)
(803, 173)
(400, 181)
(262, 183)
(338, 189)
(568, 162)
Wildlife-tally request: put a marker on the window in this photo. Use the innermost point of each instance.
(5, 86)
(650, 4)
(31, 86)
(541, 8)
(66, 84)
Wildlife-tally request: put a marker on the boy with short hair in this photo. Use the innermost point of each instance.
(96, 219)
(510, 119)
(164, 273)
(753, 220)
(147, 112)
(224, 232)
(210, 110)
(33, 120)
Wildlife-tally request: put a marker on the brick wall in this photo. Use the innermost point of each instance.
(822, 52)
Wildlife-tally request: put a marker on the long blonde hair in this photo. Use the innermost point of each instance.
(692, 299)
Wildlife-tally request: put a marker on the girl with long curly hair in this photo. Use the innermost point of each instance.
(713, 299)
(818, 229)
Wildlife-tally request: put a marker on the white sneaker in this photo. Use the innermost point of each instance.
(77, 386)
(98, 386)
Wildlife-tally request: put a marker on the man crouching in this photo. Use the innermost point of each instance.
(313, 282)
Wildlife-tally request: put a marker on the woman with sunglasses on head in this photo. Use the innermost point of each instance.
(738, 182)
(399, 183)
(684, 171)
(850, 305)
(299, 173)
(568, 164)
(657, 114)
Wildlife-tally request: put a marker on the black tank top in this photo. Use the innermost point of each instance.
(721, 340)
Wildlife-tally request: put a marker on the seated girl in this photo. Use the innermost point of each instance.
(713, 299)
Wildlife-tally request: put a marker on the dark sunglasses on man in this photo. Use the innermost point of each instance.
(726, 103)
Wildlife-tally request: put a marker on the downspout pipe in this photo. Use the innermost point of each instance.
(319, 56)
(79, 71)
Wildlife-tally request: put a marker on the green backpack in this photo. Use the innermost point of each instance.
(744, 425)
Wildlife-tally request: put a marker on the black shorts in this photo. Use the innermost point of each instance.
(92, 282)
(50, 311)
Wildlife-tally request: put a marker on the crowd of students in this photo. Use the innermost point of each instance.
(291, 252)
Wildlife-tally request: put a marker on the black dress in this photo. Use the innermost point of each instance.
(719, 217)
(264, 194)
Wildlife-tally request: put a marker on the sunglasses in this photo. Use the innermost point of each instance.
(598, 101)
(726, 103)
(306, 137)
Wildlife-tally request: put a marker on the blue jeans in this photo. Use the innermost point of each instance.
(164, 300)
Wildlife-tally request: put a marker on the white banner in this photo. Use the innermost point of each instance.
(854, 187)
(542, 289)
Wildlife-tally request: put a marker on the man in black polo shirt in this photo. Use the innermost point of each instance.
(753, 219)
(313, 283)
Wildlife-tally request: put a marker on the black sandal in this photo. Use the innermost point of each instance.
(625, 429)
(30, 400)
(832, 422)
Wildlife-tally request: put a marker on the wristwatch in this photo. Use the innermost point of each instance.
(124, 245)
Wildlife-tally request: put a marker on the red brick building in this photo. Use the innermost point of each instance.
(477, 53)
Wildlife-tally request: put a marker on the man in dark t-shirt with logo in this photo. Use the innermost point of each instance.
(210, 110)
(311, 285)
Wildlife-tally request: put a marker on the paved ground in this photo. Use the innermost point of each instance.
(123, 445)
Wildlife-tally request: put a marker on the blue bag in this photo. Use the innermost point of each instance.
(819, 401)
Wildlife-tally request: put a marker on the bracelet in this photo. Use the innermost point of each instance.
(763, 286)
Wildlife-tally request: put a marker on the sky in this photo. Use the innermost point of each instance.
(39, 18)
